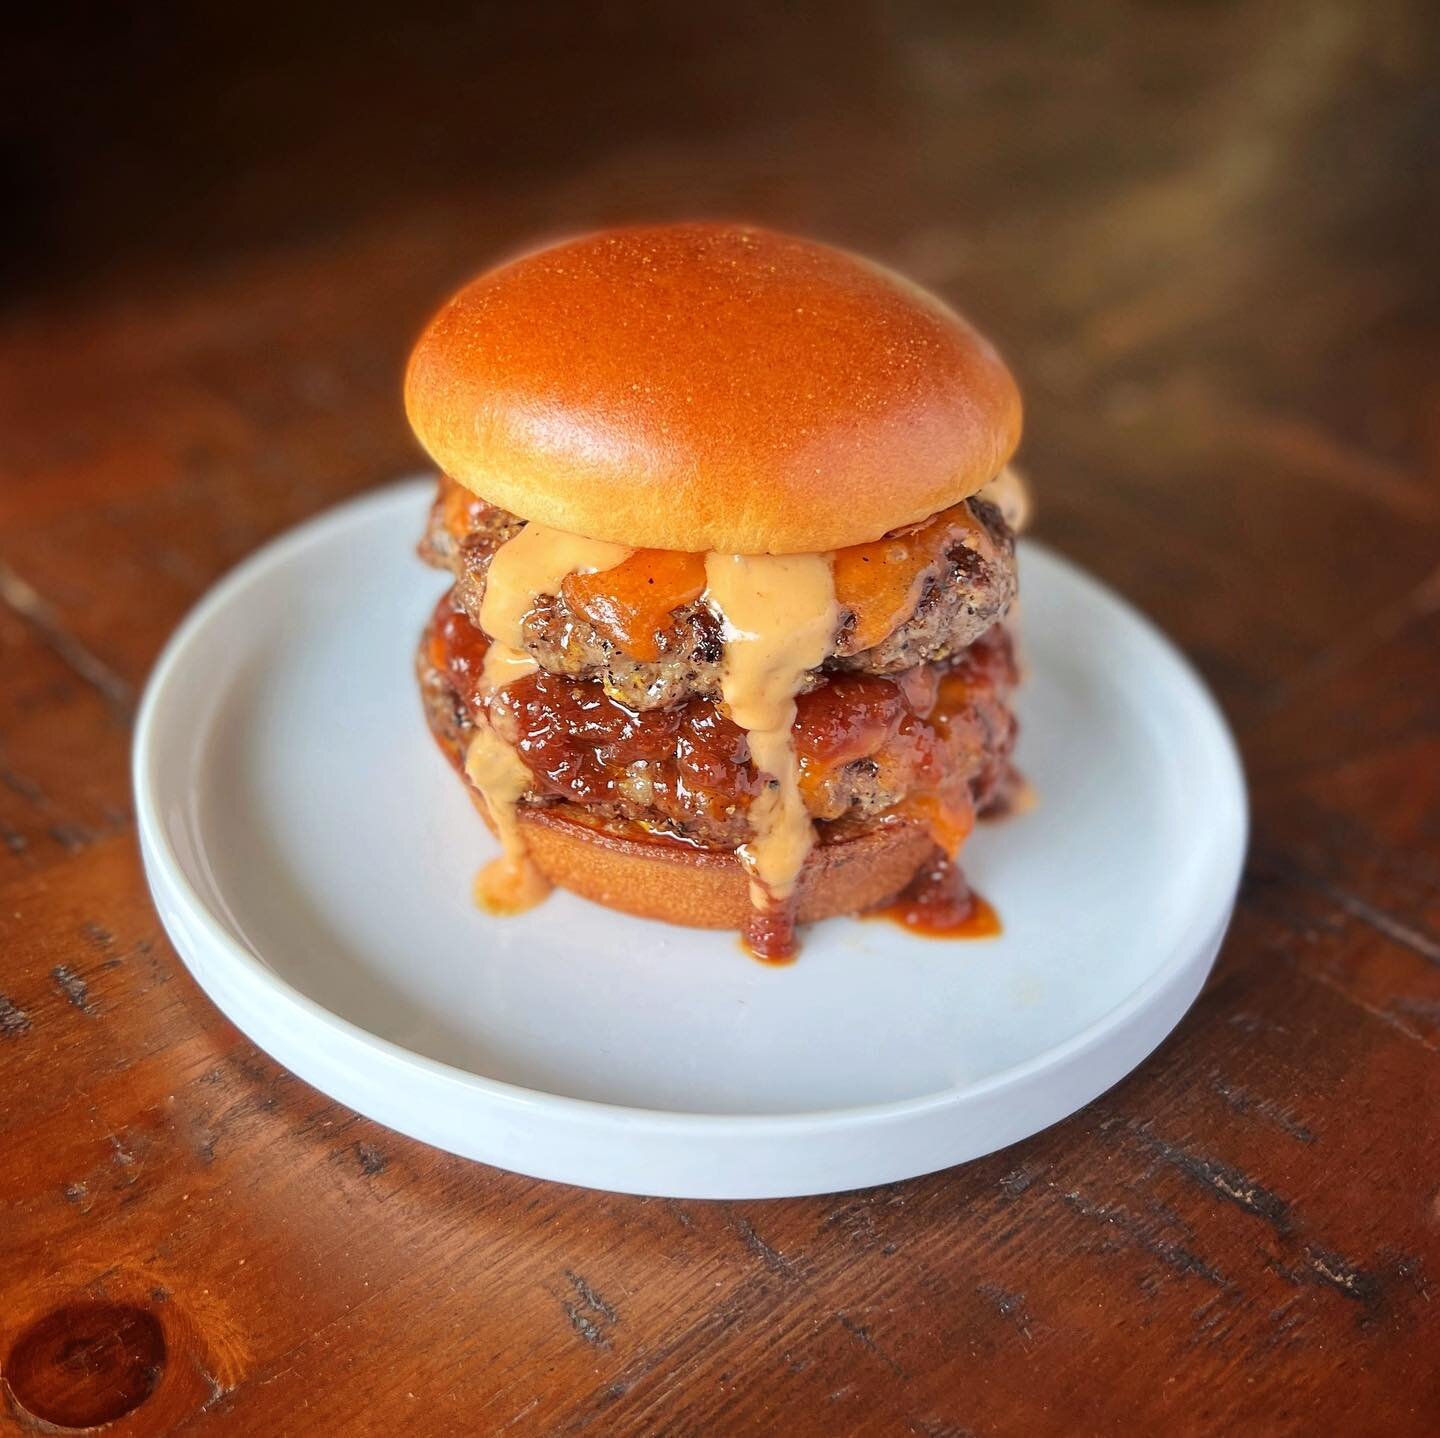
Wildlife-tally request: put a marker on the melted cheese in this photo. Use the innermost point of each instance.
(535, 562)
(778, 615)
(881, 583)
(631, 604)
(1010, 494)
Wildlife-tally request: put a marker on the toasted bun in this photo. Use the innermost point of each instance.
(707, 889)
(710, 387)
(704, 888)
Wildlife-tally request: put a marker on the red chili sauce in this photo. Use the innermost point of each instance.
(939, 904)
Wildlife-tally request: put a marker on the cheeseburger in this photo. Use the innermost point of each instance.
(732, 541)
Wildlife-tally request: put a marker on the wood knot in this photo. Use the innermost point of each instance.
(85, 1364)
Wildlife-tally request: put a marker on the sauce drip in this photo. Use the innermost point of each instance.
(778, 617)
(941, 905)
(532, 563)
(769, 935)
(631, 604)
(936, 737)
(510, 884)
(535, 562)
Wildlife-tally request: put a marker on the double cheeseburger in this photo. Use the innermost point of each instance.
(731, 536)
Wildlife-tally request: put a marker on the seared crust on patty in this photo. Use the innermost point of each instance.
(961, 594)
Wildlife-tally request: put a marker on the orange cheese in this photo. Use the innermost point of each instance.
(631, 604)
(947, 813)
(882, 582)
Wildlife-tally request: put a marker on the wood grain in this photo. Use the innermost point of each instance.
(1205, 239)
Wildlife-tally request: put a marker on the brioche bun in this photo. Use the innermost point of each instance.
(706, 888)
(710, 387)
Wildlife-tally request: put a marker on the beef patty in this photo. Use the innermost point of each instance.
(967, 588)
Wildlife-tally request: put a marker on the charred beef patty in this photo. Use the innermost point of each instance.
(933, 743)
(960, 593)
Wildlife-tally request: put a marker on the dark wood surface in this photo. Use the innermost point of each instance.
(1206, 238)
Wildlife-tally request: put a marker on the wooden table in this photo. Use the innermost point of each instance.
(1206, 240)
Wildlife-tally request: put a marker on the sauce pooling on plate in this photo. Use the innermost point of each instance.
(939, 904)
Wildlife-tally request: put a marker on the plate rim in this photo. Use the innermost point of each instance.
(158, 850)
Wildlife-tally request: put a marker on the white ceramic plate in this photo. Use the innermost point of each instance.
(311, 853)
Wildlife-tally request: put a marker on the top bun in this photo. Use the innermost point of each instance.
(710, 387)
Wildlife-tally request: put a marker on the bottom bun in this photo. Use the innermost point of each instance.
(659, 878)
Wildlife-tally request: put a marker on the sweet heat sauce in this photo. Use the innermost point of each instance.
(939, 904)
(769, 934)
(686, 763)
(457, 648)
(930, 732)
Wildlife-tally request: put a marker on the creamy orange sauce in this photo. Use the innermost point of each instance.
(881, 583)
(534, 562)
(778, 615)
(503, 666)
(631, 604)
(511, 883)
